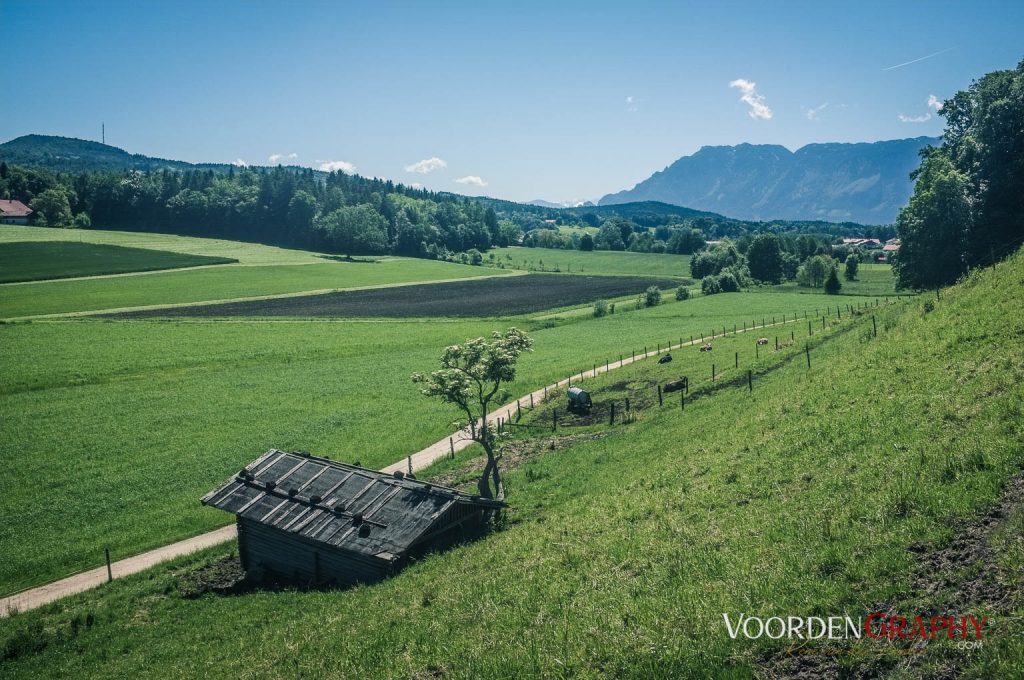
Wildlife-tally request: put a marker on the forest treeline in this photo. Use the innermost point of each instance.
(967, 209)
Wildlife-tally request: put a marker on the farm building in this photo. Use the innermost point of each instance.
(14, 212)
(318, 521)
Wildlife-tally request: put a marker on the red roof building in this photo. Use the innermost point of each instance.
(14, 212)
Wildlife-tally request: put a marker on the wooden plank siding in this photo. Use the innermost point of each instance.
(318, 521)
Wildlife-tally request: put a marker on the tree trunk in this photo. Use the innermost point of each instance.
(483, 484)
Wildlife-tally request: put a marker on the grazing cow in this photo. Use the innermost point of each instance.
(762, 341)
(677, 385)
(706, 347)
(665, 359)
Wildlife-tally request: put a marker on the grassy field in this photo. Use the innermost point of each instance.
(222, 283)
(822, 492)
(594, 262)
(143, 417)
(872, 279)
(245, 253)
(41, 260)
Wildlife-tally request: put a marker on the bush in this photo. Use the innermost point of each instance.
(652, 297)
(682, 293)
(852, 264)
(611, 308)
(600, 308)
(709, 285)
(475, 257)
(81, 221)
(832, 285)
(727, 282)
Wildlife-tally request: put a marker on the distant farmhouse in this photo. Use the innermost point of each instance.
(869, 243)
(317, 521)
(14, 212)
(890, 248)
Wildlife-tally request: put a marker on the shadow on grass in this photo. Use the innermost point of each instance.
(348, 258)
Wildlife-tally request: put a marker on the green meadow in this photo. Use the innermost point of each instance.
(119, 404)
(593, 262)
(816, 493)
(39, 260)
(244, 253)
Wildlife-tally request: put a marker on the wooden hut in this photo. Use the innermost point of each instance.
(318, 521)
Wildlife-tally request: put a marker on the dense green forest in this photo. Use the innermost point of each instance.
(302, 208)
(967, 209)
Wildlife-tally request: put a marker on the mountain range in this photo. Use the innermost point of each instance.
(865, 182)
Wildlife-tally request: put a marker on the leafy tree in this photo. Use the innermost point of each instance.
(586, 242)
(935, 226)
(470, 377)
(832, 284)
(764, 257)
(713, 260)
(82, 221)
(728, 283)
(301, 210)
(52, 207)
(682, 293)
(652, 297)
(814, 271)
(709, 285)
(354, 230)
(610, 237)
(600, 308)
(968, 200)
(852, 265)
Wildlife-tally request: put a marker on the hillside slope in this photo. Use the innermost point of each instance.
(69, 154)
(822, 492)
(866, 183)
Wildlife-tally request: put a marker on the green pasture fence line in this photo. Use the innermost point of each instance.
(716, 382)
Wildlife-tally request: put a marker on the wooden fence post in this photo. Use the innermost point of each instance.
(757, 351)
(750, 380)
(737, 359)
(874, 324)
(660, 402)
(408, 460)
(451, 446)
(519, 411)
(712, 373)
(807, 348)
(110, 573)
(682, 401)
(776, 343)
(809, 331)
(531, 401)
(611, 418)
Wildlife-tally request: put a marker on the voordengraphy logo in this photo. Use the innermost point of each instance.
(877, 626)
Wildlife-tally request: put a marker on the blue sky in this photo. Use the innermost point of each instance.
(523, 100)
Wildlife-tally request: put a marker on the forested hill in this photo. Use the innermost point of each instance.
(866, 183)
(67, 154)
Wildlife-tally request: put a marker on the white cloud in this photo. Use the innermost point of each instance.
(934, 102)
(914, 119)
(343, 166)
(240, 163)
(758, 109)
(472, 180)
(631, 103)
(416, 185)
(276, 157)
(426, 165)
(812, 114)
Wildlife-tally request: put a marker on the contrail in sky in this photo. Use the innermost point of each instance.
(914, 61)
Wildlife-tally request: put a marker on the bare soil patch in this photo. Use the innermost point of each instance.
(496, 296)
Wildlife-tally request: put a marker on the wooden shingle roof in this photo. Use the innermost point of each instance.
(339, 505)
